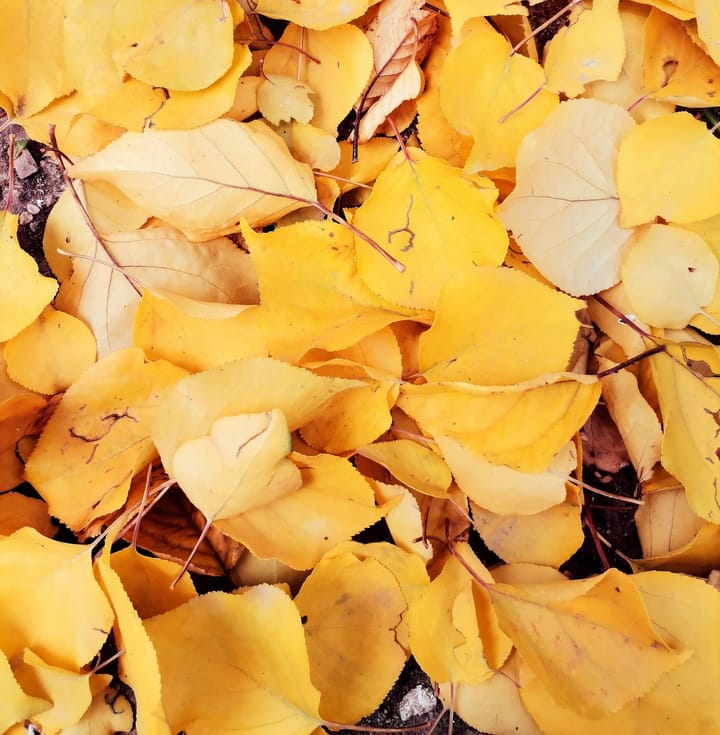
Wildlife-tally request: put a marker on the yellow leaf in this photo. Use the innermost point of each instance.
(157, 41)
(564, 208)
(32, 73)
(196, 335)
(496, 326)
(18, 414)
(336, 66)
(317, 15)
(24, 293)
(708, 25)
(184, 109)
(671, 600)
(343, 595)
(251, 386)
(100, 718)
(494, 97)
(549, 537)
(462, 10)
(669, 274)
(454, 633)
(675, 68)
(282, 98)
(590, 642)
(503, 490)
(38, 574)
(690, 405)
(308, 279)
(201, 181)
(334, 503)
(680, 186)
(99, 437)
(16, 704)
(434, 219)
(239, 465)
(412, 464)
(138, 664)
(591, 47)
(253, 675)
(521, 426)
(67, 345)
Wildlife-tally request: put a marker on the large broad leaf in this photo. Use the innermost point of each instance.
(253, 675)
(563, 210)
(202, 181)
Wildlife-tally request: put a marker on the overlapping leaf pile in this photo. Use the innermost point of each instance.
(384, 351)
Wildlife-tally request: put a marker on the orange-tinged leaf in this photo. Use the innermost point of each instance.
(157, 41)
(334, 503)
(591, 47)
(708, 26)
(196, 335)
(67, 345)
(669, 274)
(503, 490)
(675, 67)
(18, 414)
(492, 96)
(317, 15)
(32, 73)
(412, 464)
(253, 675)
(522, 425)
(99, 437)
(454, 634)
(201, 181)
(308, 279)
(649, 186)
(563, 210)
(251, 386)
(337, 67)
(139, 663)
(549, 537)
(435, 220)
(689, 404)
(24, 293)
(582, 637)
(343, 595)
(497, 326)
(46, 574)
(17, 511)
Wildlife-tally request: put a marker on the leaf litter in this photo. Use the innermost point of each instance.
(350, 306)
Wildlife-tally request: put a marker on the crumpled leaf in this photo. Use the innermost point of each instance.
(253, 675)
(157, 41)
(99, 437)
(598, 629)
(197, 180)
(669, 274)
(690, 407)
(454, 633)
(341, 595)
(563, 210)
(649, 186)
(496, 326)
(495, 98)
(345, 64)
(24, 293)
(591, 47)
(675, 67)
(521, 426)
(435, 220)
(400, 35)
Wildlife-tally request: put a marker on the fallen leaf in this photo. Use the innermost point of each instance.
(563, 210)
(254, 674)
(17, 511)
(317, 15)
